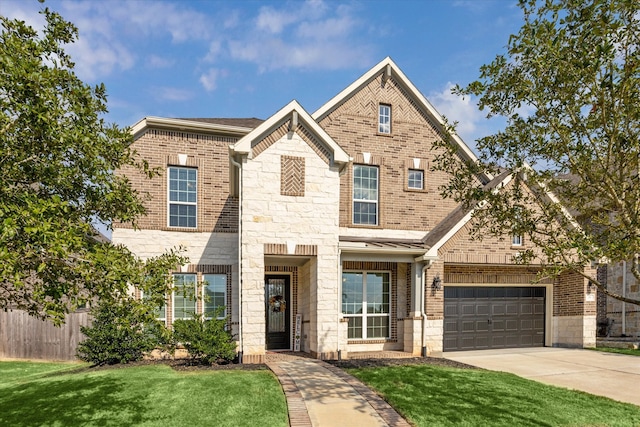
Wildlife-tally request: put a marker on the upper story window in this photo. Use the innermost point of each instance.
(384, 118)
(365, 195)
(183, 196)
(517, 239)
(415, 179)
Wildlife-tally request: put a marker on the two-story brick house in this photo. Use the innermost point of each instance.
(327, 231)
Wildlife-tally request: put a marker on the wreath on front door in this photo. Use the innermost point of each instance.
(277, 304)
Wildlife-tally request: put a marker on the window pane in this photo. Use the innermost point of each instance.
(384, 119)
(352, 293)
(416, 178)
(365, 213)
(378, 327)
(377, 292)
(354, 328)
(183, 196)
(215, 292)
(184, 301)
(182, 215)
(365, 194)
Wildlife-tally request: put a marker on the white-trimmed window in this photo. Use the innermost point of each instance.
(415, 180)
(365, 195)
(366, 303)
(160, 312)
(183, 196)
(214, 288)
(516, 240)
(384, 118)
(184, 302)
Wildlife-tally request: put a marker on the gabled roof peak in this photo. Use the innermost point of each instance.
(391, 70)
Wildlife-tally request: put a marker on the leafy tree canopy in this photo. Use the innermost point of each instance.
(568, 86)
(57, 157)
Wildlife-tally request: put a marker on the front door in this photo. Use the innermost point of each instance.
(277, 312)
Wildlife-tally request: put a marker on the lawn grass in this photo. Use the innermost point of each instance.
(44, 394)
(628, 351)
(438, 396)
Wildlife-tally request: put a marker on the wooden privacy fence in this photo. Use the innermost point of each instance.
(25, 337)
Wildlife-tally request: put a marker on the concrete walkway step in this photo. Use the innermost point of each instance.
(321, 395)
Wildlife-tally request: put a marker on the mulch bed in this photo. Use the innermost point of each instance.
(193, 365)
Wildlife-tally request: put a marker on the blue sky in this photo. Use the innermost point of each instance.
(249, 58)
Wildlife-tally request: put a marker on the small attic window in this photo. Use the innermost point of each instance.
(384, 118)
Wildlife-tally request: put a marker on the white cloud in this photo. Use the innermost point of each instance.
(157, 61)
(209, 80)
(472, 123)
(310, 36)
(458, 109)
(110, 32)
(215, 49)
(171, 94)
(274, 21)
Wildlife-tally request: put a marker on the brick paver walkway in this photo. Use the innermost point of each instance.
(319, 394)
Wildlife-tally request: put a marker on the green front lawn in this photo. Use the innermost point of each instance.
(437, 396)
(629, 351)
(43, 394)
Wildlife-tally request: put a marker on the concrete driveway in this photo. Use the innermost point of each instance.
(616, 376)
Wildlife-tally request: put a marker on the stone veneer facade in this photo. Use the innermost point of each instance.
(292, 205)
(619, 278)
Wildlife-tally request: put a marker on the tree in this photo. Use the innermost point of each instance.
(568, 87)
(57, 163)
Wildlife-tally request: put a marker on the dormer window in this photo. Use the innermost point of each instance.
(384, 118)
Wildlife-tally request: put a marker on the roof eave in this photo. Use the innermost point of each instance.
(188, 126)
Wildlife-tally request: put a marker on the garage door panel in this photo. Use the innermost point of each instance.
(467, 309)
(511, 325)
(483, 309)
(493, 317)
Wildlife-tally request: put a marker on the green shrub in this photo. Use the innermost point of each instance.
(206, 340)
(119, 333)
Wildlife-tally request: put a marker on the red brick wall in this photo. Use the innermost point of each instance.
(354, 125)
(569, 295)
(216, 211)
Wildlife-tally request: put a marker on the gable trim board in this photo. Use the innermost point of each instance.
(287, 181)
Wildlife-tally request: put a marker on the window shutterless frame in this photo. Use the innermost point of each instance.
(184, 303)
(182, 197)
(366, 303)
(415, 179)
(214, 293)
(384, 118)
(365, 194)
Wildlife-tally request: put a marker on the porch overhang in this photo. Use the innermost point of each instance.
(415, 248)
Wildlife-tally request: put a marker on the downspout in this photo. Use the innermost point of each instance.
(240, 341)
(624, 294)
(341, 171)
(339, 316)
